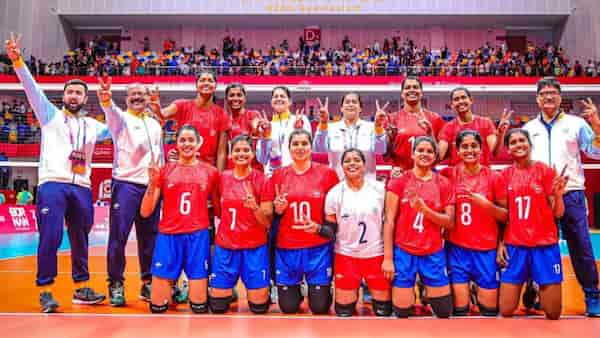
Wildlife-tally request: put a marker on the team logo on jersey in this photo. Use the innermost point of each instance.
(170, 185)
(536, 187)
(316, 194)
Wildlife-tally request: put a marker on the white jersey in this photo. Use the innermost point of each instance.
(279, 151)
(359, 216)
(136, 139)
(62, 133)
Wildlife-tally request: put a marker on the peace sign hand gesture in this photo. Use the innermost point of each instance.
(12, 47)
(381, 116)
(263, 126)
(104, 93)
(154, 103)
(323, 111)
(590, 114)
(280, 201)
(504, 122)
(299, 123)
(559, 184)
(249, 200)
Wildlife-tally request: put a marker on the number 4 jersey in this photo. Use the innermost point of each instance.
(414, 233)
(185, 191)
(306, 194)
(359, 215)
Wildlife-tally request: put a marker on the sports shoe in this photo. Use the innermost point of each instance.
(116, 293)
(592, 304)
(49, 305)
(146, 292)
(422, 294)
(87, 296)
(273, 294)
(180, 295)
(366, 296)
(531, 296)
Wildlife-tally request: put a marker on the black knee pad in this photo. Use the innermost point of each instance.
(199, 307)
(382, 308)
(345, 310)
(259, 309)
(487, 311)
(219, 304)
(319, 299)
(461, 311)
(441, 306)
(402, 312)
(289, 298)
(158, 308)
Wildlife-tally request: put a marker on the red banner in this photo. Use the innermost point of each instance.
(102, 152)
(101, 183)
(17, 219)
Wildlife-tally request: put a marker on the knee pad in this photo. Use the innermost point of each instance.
(382, 308)
(158, 308)
(441, 306)
(461, 311)
(219, 304)
(487, 311)
(344, 310)
(319, 299)
(289, 297)
(199, 307)
(402, 312)
(259, 309)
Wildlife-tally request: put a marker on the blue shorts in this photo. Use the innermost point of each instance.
(315, 264)
(466, 265)
(431, 269)
(542, 264)
(176, 252)
(251, 264)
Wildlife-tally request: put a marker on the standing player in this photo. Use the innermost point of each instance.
(354, 212)
(471, 245)
(241, 240)
(183, 240)
(302, 250)
(409, 123)
(137, 140)
(64, 194)
(462, 103)
(530, 245)
(418, 206)
(351, 132)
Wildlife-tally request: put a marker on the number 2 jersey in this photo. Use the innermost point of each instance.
(239, 228)
(531, 218)
(185, 190)
(474, 227)
(359, 216)
(415, 233)
(306, 194)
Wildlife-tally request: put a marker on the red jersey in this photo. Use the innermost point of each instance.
(408, 130)
(531, 218)
(483, 125)
(185, 191)
(242, 124)
(474, 227)
(239, 228)
(306, 199)
(209, 122)
(415, 233)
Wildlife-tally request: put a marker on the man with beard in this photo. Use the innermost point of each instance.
(64, 193)
(137, 143)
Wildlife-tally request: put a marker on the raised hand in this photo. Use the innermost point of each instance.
(414, 200)
(559, 184)
(172, 155)
(12, 47)
(263, 126)
(280, 203)
(590, 114)
(504, 122)
(323, 111)
(249, 199)
(154, 103)
(426, 125)
(381, 116)
(299, 123)
(104, 93)
(154, 171)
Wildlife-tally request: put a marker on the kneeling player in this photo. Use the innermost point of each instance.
(183, 240)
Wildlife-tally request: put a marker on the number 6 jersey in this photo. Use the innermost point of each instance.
(359, 216)
(415, 233)
(185, 191)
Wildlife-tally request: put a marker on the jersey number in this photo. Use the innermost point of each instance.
(418, 224)
(465, 214)
(185, 206)
(523, 206)
(301, 211)
(233, 217)
(363, 231)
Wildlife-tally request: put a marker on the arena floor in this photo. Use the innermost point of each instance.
(20, 317)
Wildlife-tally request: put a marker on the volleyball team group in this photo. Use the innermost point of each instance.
(239, 197)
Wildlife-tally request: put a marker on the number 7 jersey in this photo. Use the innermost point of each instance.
(414, 233)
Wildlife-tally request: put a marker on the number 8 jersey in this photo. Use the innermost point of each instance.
(359, 215)
(531, 219)
(414, 233)
(185, 191)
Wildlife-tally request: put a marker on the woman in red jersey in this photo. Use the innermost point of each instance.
(183, 240)
(303, 247)
(530, 243)
(418, 206)
(472, 242)
(241, 240)
(409, 123)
